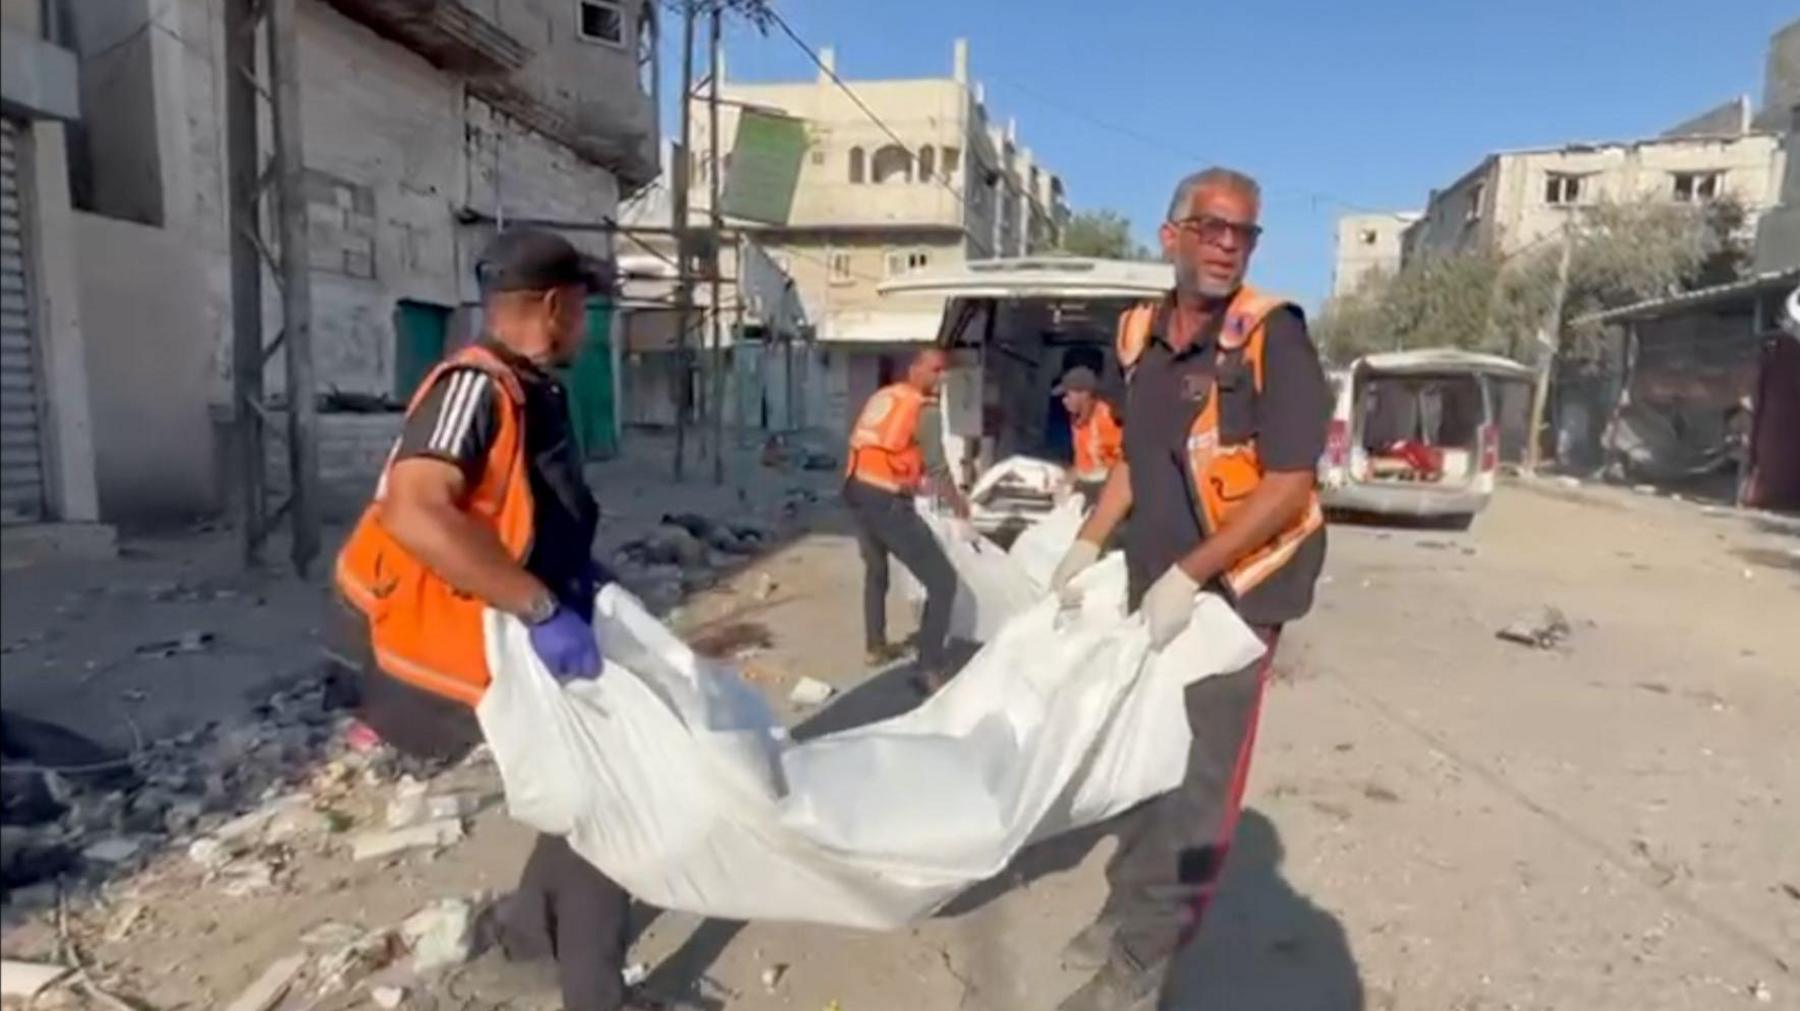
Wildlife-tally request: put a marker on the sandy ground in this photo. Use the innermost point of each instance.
(1438, 820)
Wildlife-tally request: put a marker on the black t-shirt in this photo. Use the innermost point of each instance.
(1288, 419)
(457, 422)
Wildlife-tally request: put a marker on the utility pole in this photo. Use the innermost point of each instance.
(248, 178)
(684, 279)
(717, 220)
(1549, 342)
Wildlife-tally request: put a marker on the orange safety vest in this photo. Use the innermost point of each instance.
(884, 444)
(424, 631)
(1223, 475)
(1099, 443)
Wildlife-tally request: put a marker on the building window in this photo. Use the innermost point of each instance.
(818, 156)
(948, 161)
(856, 164)
(891, 163)
(1367, 236)
(1562, 188)
(901, 261)
(1694, 187)
(600, 21)
(839, 266)
(927, 163)
(1476, 196)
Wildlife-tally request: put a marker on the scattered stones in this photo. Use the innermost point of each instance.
(810, 692)
(247, 878)
(388, 997)
(772, 976)
(367, 953)
(1545, 629)
(765, 587)
(635, 973)
(182, 816)
(333, 935)
(432, 834)
(114, 851)
(209, 853)
(407, 806)
(440, 935)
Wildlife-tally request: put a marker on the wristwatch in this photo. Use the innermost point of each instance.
(541, 610)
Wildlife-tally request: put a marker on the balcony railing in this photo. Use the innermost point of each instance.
(445, 32)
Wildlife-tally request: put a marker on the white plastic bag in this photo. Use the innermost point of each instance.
(670, 774)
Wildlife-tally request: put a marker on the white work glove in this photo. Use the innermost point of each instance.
(1169, 606)
(1078, 559)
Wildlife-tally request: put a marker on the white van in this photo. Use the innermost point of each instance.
(1013, 327)
(1416, 433)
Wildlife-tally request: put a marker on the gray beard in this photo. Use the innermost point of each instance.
(1189, 285)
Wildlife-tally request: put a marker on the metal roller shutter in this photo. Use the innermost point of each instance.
(21, 431)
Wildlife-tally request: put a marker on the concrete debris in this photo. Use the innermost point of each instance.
(810, 692)
(368, 953)
(209, 853)
(270, 987)
(765, 587)
(332, 934)
(772, 976)
(431, 834)
(407, 806)
(635, 974)
(247, 878)
(440, 935)
(1545, 629)
(1761, 993)
(28, 979)
(388, 997)
(113, 851)
(191, 641)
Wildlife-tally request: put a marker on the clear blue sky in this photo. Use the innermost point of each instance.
(1332, 104)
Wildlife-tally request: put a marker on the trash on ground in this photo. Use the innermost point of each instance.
(1545, 629)
(810, 692)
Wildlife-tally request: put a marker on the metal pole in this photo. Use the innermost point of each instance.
(684, 281)
(1549, 342)
(296, 286)
(246, 271)
(717, 358)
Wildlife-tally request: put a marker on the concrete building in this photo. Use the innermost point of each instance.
(48, 500)
(1515, 199)
(957, 185)
(425, 122)
(1778, 234)
(1367, 243)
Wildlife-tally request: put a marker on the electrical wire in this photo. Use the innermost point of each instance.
(912, 157)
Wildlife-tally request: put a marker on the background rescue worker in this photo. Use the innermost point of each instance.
(1228, 407)
(897, 451)
(483, 504)
(1099, 441)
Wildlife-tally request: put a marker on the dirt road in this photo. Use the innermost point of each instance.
(1439, 820)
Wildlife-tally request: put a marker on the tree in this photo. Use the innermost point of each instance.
(1622, 253)
(1102, 234)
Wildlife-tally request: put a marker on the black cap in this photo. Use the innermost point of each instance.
(1078, 378)
(532, 259)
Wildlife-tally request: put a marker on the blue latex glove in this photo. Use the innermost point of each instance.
(567, 646)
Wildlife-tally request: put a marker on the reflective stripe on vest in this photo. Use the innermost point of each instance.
(1223, 476)
(424, 631)
(1098, 444)
(884, 444)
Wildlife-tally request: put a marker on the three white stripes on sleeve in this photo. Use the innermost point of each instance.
(456, 416)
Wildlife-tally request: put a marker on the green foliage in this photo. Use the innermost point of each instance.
(1103, 234)
(1481, 301)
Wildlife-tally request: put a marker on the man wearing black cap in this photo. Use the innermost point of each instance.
(1099, 441)
(483, 505)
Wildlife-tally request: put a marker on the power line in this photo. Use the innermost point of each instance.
(811, 54)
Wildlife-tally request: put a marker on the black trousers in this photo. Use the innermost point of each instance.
(886, 524)
(1172, 848)
(564, 906)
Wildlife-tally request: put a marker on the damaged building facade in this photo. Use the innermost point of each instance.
(425, 124)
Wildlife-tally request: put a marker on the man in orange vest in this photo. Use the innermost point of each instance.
(897, 452)
(483, 505)
(1099, 441)
(1229, 409)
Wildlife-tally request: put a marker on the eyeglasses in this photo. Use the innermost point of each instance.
(1209, 228)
